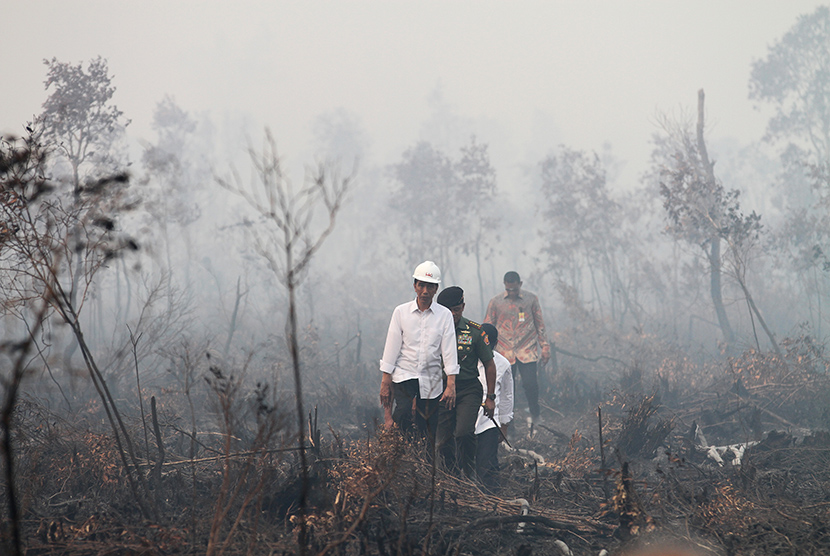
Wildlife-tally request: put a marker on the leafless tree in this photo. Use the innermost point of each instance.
(287, 238)
(20, 164)
(45, 236)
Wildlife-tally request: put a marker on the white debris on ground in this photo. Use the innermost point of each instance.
(563, 548)
(527, 453)
(524, 511)
(716, 453)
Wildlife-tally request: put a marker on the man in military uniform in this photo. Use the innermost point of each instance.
(456, 437)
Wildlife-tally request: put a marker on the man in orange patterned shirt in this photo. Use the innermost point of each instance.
(517, 316)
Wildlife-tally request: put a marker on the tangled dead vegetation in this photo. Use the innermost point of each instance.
(738, 467)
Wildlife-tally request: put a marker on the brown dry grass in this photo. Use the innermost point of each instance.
(374, 493)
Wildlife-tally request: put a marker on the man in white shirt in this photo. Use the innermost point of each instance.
(487, 434)
(420, 344)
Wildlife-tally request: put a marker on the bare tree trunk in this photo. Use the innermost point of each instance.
(6, 415)
(715, 290)
(78, 270)
(675, 289)
(714, 249)
(298, 389)
(290, 213)
(122, 437)
(761, 320)
(234, 316)
(478, 274)
(122, 306)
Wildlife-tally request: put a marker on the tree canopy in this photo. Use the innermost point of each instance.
(79, 118)
(795, 79)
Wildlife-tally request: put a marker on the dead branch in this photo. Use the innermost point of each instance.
(222, 457)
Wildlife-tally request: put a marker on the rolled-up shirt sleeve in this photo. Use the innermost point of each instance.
(505, 410)
(449, 347)
(394, 341)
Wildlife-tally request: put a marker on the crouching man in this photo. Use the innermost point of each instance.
(489, 432)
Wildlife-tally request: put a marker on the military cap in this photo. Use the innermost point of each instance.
(450, 297)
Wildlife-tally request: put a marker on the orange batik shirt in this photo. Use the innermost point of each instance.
(520, 325)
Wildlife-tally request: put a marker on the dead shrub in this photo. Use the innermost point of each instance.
(639, 434)
(579, 459)
(795, 387)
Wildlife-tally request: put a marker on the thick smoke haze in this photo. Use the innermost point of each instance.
(364, 82)
(523, 76)
(210, 210)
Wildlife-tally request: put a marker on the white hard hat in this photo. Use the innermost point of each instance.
(428, 271)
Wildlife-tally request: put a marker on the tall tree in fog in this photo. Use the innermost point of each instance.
(794, 79)
(696, 204)
(430, 219)
(287, 238)
(42, 232)
(702, 212)
(84, 128)
(582, 231)
(72, 236)
(363, 240)
(477, 179)
(80, 120)
(172, 175)
(445, 205)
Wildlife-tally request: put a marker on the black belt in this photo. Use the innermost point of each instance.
(462, 380)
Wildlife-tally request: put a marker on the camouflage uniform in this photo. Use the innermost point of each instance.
(456, 428)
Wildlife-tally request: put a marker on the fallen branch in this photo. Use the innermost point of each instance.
(586, 358)
(467, 494)
(498, 521)
(219, 458)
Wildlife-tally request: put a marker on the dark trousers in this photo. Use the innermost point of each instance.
(424, 421)
(530, 382)
(456, 428)
(487, 458)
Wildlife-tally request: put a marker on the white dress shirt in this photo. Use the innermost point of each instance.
(416, 343)
(504, 394)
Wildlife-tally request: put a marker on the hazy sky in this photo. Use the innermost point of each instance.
(581, 73)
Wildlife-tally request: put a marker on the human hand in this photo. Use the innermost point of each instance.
(388, 422)
(489, 407)
(386, 392)
(448, 397)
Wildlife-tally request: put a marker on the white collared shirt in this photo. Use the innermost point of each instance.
(416, 343)
(504, 394)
